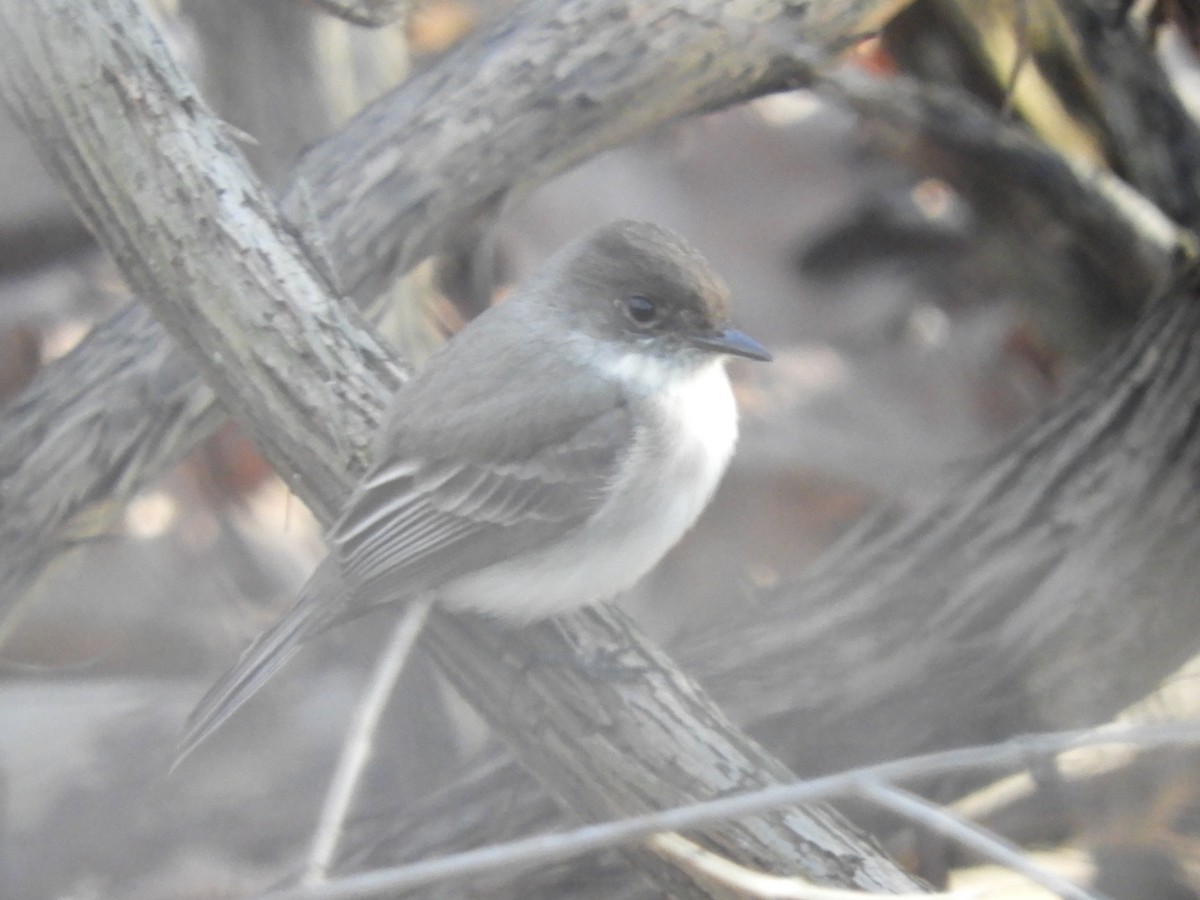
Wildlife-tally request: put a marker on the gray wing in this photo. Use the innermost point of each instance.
(500, 442)
(465, 478)
(426, 514)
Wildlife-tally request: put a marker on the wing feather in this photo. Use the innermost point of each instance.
(439, 517)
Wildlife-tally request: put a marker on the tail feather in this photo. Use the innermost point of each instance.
(315, 610)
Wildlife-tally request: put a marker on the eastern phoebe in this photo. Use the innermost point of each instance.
(545, 458)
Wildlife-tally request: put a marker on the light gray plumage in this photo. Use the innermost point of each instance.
(523, 512)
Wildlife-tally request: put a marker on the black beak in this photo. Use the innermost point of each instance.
(733, 343)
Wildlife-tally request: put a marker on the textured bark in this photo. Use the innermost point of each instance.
(612, 727)
(154, 213)
(420, 144)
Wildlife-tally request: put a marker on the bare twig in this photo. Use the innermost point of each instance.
(367, 13)
(545, 849)
(1177, 699)
(984, 842)
(751, 883)
(1019, 59)
(356, 748)
(1137, 99)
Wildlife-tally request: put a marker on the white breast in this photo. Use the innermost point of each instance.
(684, 440)
(683, 473)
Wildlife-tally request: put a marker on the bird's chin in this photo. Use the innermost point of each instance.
(651, 369)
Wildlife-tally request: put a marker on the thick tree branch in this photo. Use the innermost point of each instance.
(155, 215)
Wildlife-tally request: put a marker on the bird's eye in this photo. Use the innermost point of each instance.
(641, 310)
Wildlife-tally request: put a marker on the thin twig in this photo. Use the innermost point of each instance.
(549, 848)
(1020, 58)
(983, 841)
(366, 13)
(752, 883)
(356, 750)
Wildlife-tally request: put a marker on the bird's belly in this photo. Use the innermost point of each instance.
(657, 498)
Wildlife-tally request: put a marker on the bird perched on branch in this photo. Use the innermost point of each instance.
(545, 458)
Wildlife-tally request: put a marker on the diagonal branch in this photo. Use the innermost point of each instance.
(984, 842)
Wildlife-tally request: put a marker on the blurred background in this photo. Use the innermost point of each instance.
(910, 334)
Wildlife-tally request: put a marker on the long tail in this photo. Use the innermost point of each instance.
(319, 605)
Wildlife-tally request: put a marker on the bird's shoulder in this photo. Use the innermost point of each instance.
(501, 400)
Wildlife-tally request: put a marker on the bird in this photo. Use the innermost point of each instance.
(543, 459)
